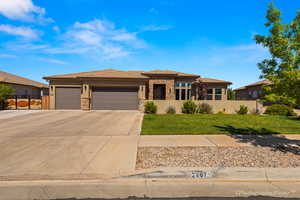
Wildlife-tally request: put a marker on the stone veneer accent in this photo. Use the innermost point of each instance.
(170, 92)
(85, 97)
(52, 97)
(142, 92)
(85, 104)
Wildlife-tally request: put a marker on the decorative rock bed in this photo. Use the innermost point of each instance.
(260, 157)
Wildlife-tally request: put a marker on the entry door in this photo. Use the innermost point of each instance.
(115, 98)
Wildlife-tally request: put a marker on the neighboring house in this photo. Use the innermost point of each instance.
(252, 91)
(113, 89)
(23, 87)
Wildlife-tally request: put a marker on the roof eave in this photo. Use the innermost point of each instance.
(81, 77)
(36, 86)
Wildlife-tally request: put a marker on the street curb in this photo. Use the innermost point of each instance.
(176, 173)
(150, 188)
(161, 183)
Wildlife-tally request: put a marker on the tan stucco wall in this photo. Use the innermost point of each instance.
(229, 106)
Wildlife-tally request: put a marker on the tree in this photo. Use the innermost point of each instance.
(230, 94)
(282, 68)
(5, 91)
(200, 89)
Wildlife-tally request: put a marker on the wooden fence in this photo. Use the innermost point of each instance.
(45, 102)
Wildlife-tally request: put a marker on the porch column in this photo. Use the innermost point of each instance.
(142, 92)
(213, 93)
(150, 95)
(85, 97)
(180, 93)
(52, 97)
(197, 93)
(186, 93)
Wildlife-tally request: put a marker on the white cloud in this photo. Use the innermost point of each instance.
(100, 37)
(23, 10)
(153, 27)
(102, 26)
(56, 29)
(51, 60)
(22, 31)
(85, 36)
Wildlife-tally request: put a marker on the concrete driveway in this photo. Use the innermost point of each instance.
(68, 144)
(69, 123)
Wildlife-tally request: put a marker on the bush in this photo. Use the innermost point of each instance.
(171, 110)
(280, 109)
(204, 108)
(189, 107)
(243, 110)
(150, 107)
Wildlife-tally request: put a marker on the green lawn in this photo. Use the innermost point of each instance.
(218, 124)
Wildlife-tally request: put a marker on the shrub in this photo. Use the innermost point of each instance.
(171, 110)
(189, 107)
(280, 109)
(204, 108)
(243, 110)
(150, 107)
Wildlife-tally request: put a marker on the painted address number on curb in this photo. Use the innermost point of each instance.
(200, 174)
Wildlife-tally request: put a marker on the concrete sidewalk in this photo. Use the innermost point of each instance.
(213, 140)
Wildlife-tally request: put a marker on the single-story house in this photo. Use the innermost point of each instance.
(252, 91)
(23, 87)
(123, 90)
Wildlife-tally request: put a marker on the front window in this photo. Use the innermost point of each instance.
(209, 94)
(189, 94)
(182, 94)
(177, 94)
(218, 94)
(254, 94)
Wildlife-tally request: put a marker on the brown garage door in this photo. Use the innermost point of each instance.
(115, 99)
(67, 98)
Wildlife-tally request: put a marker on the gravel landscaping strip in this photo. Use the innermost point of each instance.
(260, 157)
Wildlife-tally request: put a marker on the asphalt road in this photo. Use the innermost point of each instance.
(200, 198)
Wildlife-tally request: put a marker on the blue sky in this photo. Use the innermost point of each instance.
(210, 38)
